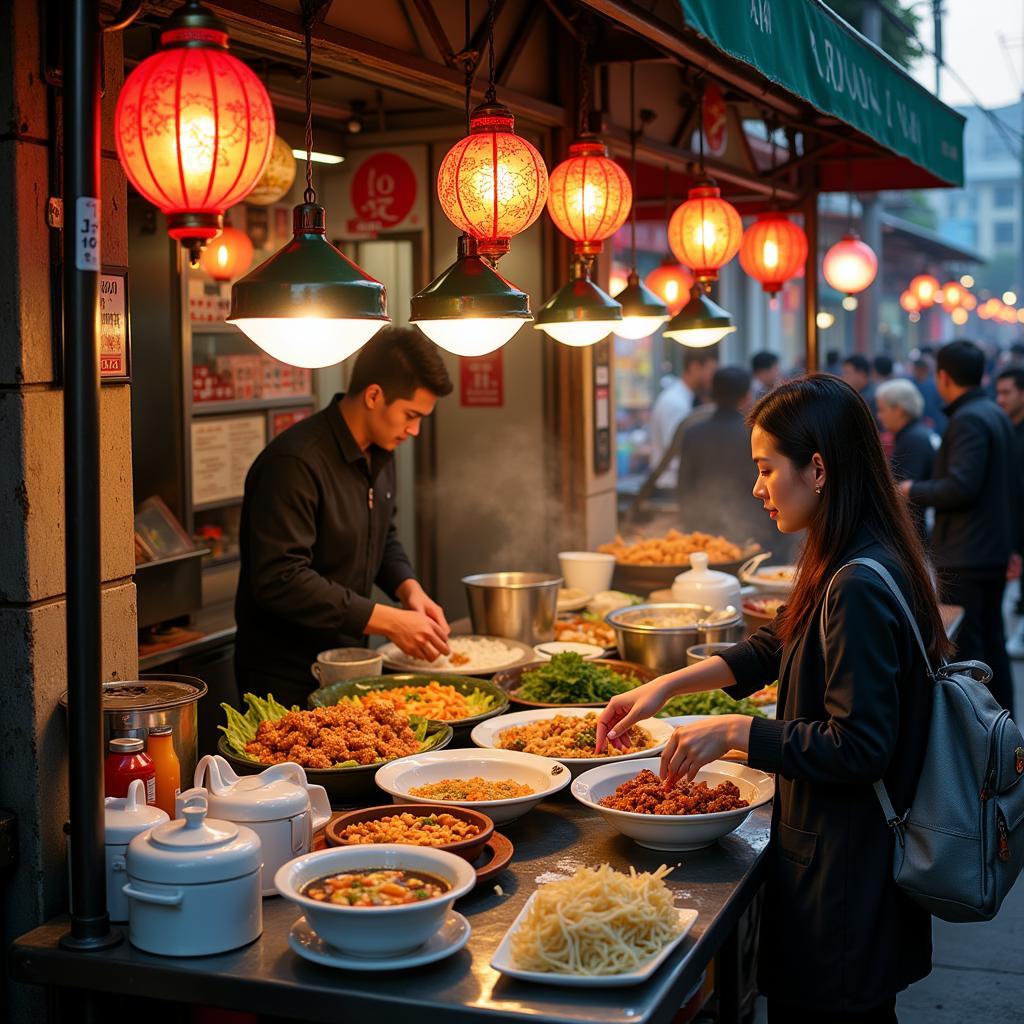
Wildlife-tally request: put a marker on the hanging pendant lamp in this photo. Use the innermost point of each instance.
(849, 266)
(701, 322)
(579, 313)
(309, 304)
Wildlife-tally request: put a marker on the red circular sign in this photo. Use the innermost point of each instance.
(383, 191)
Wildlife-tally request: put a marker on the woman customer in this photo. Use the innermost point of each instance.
(839, 939)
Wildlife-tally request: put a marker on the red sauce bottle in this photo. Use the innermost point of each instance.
(126, 762)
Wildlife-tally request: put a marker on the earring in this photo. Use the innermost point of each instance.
(817, 490)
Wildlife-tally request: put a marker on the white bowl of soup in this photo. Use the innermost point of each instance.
(375, 900)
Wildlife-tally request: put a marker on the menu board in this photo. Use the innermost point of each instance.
(223, 449)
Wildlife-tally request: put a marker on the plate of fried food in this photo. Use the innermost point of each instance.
(568, 735)
(686, 815)
(585, 629)
(340, 747)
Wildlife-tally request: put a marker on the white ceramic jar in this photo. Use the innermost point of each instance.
(194, 885)
(701, 585)
(279, 805)
(123, 819)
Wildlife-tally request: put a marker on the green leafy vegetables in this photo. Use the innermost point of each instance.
(569, 679)
(710, 702)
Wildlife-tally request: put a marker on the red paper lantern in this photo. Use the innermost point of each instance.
(909, 301)
(589, 196)
(492, 184)
(953, 295)
(705, 231)
(773, 250)
(194, 126)
(228, 256)
(926, 288)
(850, 265)
(671, 282)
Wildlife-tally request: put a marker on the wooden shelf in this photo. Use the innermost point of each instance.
(250, 405)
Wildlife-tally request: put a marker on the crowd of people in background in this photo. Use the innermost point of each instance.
(951, 420)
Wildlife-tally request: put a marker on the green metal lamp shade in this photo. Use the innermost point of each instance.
(579, 313)
(642, 311)
(700, 323)
(470, 309)
(309, 304)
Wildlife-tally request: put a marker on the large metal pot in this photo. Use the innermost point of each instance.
(640, 637)
(704, 651)
(515, 605)
(131, 708)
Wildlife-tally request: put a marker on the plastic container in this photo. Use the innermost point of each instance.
(701, 585)
(126, 762)
(168, 768)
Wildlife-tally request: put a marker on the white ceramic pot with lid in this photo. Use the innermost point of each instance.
(279, 805)
(194, 884)
(124, 817)
(701, 585)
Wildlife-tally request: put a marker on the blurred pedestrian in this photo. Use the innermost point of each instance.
(833, 362)
(881, 369)
(857, 373)
(1010, 398)
(974, 491)
(766, 373)
(924, 378)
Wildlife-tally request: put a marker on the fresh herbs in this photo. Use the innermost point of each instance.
(710, 702)
(570, 679)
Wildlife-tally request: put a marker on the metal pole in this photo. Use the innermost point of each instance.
(937, 48)
(867, 320)
(811, 278)
(90, 924)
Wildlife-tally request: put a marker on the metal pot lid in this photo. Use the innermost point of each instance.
(149, 694)
(632, 617)
(125, 817)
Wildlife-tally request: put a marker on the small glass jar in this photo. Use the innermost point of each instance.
(126, 762)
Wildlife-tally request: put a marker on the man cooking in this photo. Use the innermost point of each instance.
(318, 527)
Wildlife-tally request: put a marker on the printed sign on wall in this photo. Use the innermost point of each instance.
(386, 190)
(482, 381)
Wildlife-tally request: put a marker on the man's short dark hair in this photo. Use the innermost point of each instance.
(730, 386)
(1014, 373)
(858, 362)
(882, 365)
(761, 361)
(963, 361)
(922, 364)
(832, 357)
(699, 356)
(400, 360)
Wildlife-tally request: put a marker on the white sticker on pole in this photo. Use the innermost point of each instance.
(87, 233)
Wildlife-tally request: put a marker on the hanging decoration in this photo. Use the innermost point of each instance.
(926, 289)
(579, 313)
(773, 251)
(909, 302)
(228, 256)
(194, 127)
(954, 295)
(309, 304)
(671, 282)
(278, 177)
(850, 266)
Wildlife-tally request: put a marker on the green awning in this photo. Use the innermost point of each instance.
(807, 49)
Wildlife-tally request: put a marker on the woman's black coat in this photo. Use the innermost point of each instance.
(837, 934)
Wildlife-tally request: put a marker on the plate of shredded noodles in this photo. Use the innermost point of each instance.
(599, 928)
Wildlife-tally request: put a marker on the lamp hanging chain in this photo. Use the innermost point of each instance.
(492, 95)
(632, 162)
(770, 128)
(700, 122)
(308, 8)
(468, 61)
(584, 97)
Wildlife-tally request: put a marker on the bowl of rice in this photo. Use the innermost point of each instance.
(686, 816)
(503, 784)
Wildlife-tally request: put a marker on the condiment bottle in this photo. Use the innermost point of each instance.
(128, 761)
(168, 769)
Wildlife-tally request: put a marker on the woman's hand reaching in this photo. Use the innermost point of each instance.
(626, 709)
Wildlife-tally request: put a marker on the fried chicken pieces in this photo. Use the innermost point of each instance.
(325, 737)
(647, 794)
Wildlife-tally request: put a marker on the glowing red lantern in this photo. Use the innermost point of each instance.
(194, 126)
(671, 282)
(228, 256)
(705, 231)
(953, 295)
(850, 265)
(926, 288)
(589, 196)
(909, 301)
(773, 250)
(492, 184)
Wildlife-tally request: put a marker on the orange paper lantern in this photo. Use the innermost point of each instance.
(953, 295)
(671, 282)
(492, 184)
(589, 196)
(909, 301)
(850, 265)
(228, 256)
(773, 250)
(194, 127)
(705, 231)
(926, 288)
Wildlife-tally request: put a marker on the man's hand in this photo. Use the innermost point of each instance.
(416, 599)
(414, 633)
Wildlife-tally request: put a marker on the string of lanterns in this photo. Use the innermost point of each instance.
(956, 299)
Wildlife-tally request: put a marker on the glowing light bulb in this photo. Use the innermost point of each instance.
(824, 320)
(850, 303)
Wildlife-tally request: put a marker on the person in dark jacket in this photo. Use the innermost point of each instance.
(975, 493)
(839, 938)
(1010, 398)
(318, 527)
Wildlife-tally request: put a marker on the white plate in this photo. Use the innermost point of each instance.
(547, 651)
(502, 959)
(674, 831)
(572, 599)
(518, 654)
(544, 775)
(485, 734)
(451, 937)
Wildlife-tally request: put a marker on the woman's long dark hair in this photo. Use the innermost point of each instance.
(823, 414)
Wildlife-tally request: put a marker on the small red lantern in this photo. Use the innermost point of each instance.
(705, 231)
(671, 282)
(228, 256)
(910, 302)
(850, 265)
(492, 184)
(589, 196)
(953, 295)
(773, 250)
(194, 126)
(926, 288)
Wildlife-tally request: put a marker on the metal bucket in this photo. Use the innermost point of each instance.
(133, 707)
(515, 605)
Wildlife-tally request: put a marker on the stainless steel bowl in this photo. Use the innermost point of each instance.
(703, 651)
(664, 647)
(516, 605)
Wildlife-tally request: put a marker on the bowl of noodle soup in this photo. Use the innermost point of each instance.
(660, 831)
(599, 928)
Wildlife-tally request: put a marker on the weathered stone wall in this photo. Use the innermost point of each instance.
(33, 654)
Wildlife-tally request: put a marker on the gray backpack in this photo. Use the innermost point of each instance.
(960, 845)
